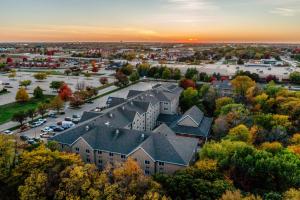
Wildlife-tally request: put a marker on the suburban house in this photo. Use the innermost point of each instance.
(131, 128)
(223, 88)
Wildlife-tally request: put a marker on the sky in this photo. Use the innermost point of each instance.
(150, 20)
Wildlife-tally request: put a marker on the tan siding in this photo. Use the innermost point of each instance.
(140, 156)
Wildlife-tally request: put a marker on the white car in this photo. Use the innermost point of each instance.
(42, 120)
(45, 135)
(8, 132)
(47, 130)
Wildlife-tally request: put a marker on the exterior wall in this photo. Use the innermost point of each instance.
(138, 123)
(104, 158)
(64, 147)
(151, 117)
(84, 150)
(140, 156)
(168, 168)
(187, 121)
(165, 107)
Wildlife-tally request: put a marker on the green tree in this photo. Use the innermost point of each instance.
(31, 113)
(223, 101)
(189, 98)
(20, 117)
(191, 73)
(7, 158)
(25, 83)
(295, 77)
(22, 95)
(240, 133)
(55, 85)
(166, 74)
(38, 93)
(176, 74)
(134, 76)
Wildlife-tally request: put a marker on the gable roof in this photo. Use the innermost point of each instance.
(164, 129)
(195, 114)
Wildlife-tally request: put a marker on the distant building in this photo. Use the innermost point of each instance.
(223, 88)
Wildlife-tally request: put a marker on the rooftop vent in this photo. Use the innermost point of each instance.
(107, 123)
(117, 131)
(143, 136)
(87, 128)
(110, 115)
(131, 102)
(123, 107)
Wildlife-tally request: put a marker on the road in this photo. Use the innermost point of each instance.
(142, 86)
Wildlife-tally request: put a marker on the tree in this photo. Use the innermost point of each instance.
(295, 77)
(191, 73)
(176, 74)
(12, 74)
(55, 85)
(57, 103)
(186, 83)
(166, 74)
(34, 186)
(122, 79)
(65, 93)
(20, 117)
(103, 80)
(223, 101)
(22, 95)
(134, 76)
(31, 113)
(81, 182)
(272, 147)
(127, 69)
(40, 76)
(241, 84)
(143, 69)
(292, 194)
(38, 93)
(236, 195)
(189, 98)
(68, 72)
(25, 83)
(7, 158)
(240, 133)
(76, 101)
(240, 62)
(42, 108)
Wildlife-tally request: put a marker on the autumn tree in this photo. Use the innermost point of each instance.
(22, 95)
(166, 74)
(34, 186)
(186, 83)
(65, 92)
(40, 76)
(103, 80)
(42, 108)
(240, 133)
(223, 101)
(122, 79)
(57, 103)
(81, 182)
(31, 113)
(134, 76)
(12, 74)
(241, 84)
(76, 101)
(189, 98)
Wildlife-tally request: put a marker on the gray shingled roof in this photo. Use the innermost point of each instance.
(164, 129)
(89, 115)
(202, 130)
(114, 101)
(168, 119)
(133, 93)
(195, 113)
(173, 149)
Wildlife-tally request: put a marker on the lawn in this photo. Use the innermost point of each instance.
(8, 110)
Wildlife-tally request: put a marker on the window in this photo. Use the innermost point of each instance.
(100, 161)
(99, 152)
(77, 149)
(161, 163)
(147, 172)
(161, 169)
(111, 154)
(87, 150)
(147, 162)
(123, 156)
(88, 160)
(165, 108)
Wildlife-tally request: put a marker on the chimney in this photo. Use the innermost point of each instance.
(117, 131)
(107, 123)
(143, 136)
(123, 107)
(87, 128)
(110, 115)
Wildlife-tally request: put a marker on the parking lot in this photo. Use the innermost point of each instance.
(101, 102)
(70, 80)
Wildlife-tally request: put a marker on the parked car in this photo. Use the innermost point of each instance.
(76, 119)
(24, 137)
(68, 119)
(8, 132)
(58, 129)
(42, 120)
(47, 130)
(31, 141)
(67, 124)
(36, 124)
(52, 115)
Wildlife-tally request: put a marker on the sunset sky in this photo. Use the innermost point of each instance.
(150, 20)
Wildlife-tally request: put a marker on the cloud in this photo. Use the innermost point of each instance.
(286, 12)
(192, 5)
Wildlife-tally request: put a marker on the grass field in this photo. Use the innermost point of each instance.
(8, 110)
